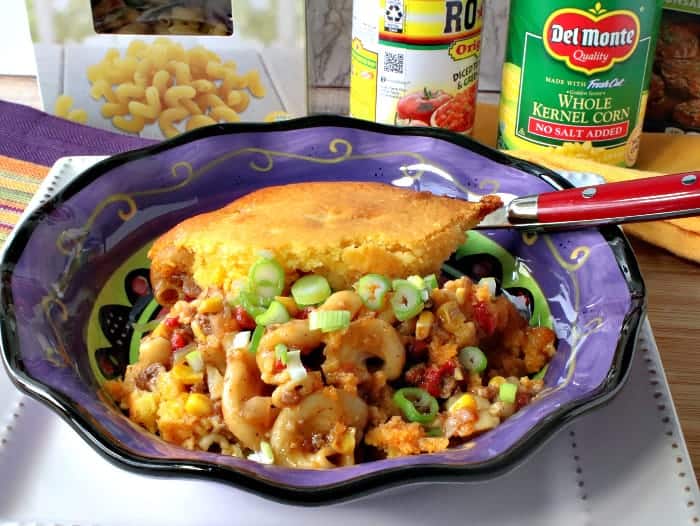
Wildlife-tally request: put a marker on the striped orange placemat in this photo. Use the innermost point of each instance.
(19, 181)
(31, 141)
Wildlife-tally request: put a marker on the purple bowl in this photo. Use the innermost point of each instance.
(74, 271)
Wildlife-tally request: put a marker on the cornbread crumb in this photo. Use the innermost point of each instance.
(399, 438)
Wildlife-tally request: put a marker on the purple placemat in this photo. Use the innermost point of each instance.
(37, 137)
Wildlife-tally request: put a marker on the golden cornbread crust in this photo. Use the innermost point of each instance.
(341, 230)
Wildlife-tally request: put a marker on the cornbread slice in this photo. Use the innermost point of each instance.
(341, 230)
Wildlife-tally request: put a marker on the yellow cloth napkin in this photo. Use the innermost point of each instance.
(659, 154)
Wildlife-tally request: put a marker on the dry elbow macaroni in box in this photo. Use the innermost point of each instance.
(157, 68)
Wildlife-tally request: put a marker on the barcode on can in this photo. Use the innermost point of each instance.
(393, 62)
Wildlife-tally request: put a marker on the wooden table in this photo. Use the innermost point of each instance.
(674, 299)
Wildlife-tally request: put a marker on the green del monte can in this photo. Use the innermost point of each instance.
(576, 77)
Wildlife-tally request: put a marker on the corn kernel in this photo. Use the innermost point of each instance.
(198, 332)
(143, 408)
(466, 401)
(161, 331)
(211, 305)
(198, 404)
(461, 295)
(347, 444)
(289, 304)
(172, 424)
(186, 375)
(424, 324)
(496, 381)
(168, 386)
(482, 293)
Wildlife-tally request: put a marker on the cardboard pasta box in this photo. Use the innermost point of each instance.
(156, 68)
(674, 91)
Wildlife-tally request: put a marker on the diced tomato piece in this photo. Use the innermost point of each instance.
(279, 366)
(244, 320)
(303, 313)
(178, 341)
(447, 368)
(484, 318)
(431, 380)
(418, 350)
(521, 400)
(172, 322)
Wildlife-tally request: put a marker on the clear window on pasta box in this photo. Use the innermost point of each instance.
(158, 68)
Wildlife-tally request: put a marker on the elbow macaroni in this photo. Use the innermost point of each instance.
(197, 121)
(164, 83)
(133, 125)
(63, 107)
(170, 116)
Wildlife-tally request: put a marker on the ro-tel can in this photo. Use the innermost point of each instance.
(576, 77)
(416, 62)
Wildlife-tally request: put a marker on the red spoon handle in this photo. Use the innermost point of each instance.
(643, 199)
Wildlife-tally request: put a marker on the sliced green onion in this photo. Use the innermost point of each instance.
(281, 353)
(295, 368)
(234, 300)
(406, 301)
(147, 326)
(372, 288)
(310, 290)
(264, 456)
(266, 278)
(194, 359)
(417, 281)
(434, 432)
(490, 284)
(507, 392)
(241, 340)
(180, 354)
(541, 373)
(275, 313)
(431, 282)
(266, 450)
(473, 359)
(329, 320)
(416, 404)
(255, 340)
(251, 303)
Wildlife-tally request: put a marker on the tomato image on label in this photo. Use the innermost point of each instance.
(458, 114)
(426, 64)
(417, 108)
